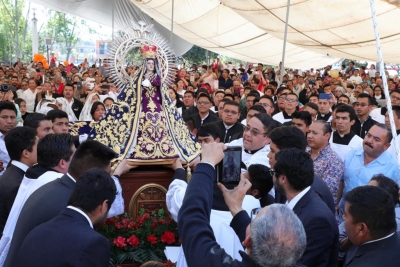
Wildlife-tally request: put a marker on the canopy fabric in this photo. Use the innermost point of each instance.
(216, 27)
(100, 11)
(340, 28)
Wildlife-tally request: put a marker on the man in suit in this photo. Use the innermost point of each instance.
(229, 125)
(293, 177)
(292, 137)
(21, 144)
(77, 105)
(205, 115)
(80, 245)
(370, 223)
(48, 201)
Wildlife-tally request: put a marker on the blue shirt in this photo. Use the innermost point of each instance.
(358, 174)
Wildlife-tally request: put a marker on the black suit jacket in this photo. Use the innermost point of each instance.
(65, 240)
(321, 230)
(320, 188)
(9, 185)
(43, 205)
(197, 120)
(187, 112)
(381, 253)
(77, 107)
(228, 136)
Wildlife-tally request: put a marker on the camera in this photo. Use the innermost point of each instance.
(5, 88)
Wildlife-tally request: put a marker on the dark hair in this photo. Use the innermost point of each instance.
(373, 206)
(346, 108)
(207, 130)
(260, 178)
(389, 135)
(255, 80)
(108, 98)
(18, 101)
(220, 92)
(314, 95)
(269, 98)
(19, 139)
(281, 89)
(229, 95)
(204, 95)
(267, 121)
(92, 189)
(57, 114)
(255, 94)
(232, 103)
(90, 154)
(311, 105)
(363, 95)
(271, 89)
(189, 92)
(302, 115)
(247, 88)
(287, 137)
(258, 108)
(7, 105)
(297, 166)
(94, 107)
(34, 119)
(395, 91)
(345, 96)
(54, 147)
(395, 109)
(326, 126)
(387, 184)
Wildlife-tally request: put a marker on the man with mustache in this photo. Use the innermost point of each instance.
(363, 163)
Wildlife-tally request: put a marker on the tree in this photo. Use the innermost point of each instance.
(13, 30)
(64, 29)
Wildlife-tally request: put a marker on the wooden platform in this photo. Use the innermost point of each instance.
(145, 187)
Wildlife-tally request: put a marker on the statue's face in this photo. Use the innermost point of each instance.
(150, 65)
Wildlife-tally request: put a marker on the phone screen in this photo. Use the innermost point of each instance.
(229, 168)
(79, 86)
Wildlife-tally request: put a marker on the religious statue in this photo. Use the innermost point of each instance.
(143, 125)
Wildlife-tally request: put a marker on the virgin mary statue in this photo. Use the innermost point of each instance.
(143, 125)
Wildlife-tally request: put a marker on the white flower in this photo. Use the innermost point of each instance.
(146, 83)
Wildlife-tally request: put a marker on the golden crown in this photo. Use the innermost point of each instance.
(148, 51)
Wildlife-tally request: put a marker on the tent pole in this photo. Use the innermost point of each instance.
(112, 17)
(384, 79)
(284, 43)
(172, 23)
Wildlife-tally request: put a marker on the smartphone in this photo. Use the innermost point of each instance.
(228, 170)
(79, 86)
(105, 86)
(192, 77)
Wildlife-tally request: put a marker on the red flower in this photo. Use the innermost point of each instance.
(152, 239)
(168, 237)
(120, 242)
(146, 216)
(133, 241)
(162, 221)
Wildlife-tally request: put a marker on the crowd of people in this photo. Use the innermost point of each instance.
(319, 171)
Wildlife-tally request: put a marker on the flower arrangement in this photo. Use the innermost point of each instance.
(141, 239)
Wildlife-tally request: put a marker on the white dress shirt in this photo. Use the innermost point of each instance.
(297, 198)
(81, 212)
(20, 165)
(3, 153)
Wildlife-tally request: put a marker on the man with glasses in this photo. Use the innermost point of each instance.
(267, 103)
(255, 141)
(229, 126)
(363, 121)
(204, 115)
(280, 100)
(291, 103)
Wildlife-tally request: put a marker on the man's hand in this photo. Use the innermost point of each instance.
(212, 153)
(176, 165)
(234, 198)
(123, 167)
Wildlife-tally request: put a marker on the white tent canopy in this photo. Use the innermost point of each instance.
(205, 23)
(340, 28)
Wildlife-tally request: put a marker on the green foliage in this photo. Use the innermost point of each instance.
(13, 41)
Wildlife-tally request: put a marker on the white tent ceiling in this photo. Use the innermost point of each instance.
(341, 28)
(205, 23)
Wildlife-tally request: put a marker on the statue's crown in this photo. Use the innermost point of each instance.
(148, 51)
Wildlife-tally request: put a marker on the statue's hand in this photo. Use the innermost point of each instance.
(146, 83)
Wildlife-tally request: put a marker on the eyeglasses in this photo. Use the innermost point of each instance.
(230, 112)
(249, 101)
(264, 104)
(203, 103)
(281, 98)
(360, 104)
(291, 100)
(252, 131)
(254, 213)
(395, 98)
(272, 172)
